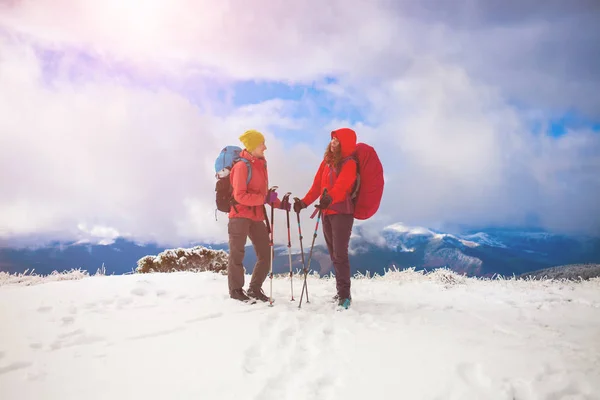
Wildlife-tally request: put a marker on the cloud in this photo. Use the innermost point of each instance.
(111, 115)
(460, 154)
(100, 153)
(271, 40)
(542, 57)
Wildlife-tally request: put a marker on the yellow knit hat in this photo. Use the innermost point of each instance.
(252, 139)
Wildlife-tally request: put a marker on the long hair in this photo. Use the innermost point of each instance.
(333, 158)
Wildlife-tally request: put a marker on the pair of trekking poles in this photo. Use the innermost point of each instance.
(306, 267)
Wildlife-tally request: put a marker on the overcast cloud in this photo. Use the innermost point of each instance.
(123, 141)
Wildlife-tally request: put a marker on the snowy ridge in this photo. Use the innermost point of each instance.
(29, 278)
(571, 271)
(420, 232)
(438, 275)
(413, 230)
(484, 239)
(446, 335)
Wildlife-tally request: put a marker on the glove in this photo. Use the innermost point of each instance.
(285, 204)
(271, 197)
(325, 201)
(298, 205)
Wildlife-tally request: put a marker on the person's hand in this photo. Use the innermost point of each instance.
(298, 205)
(271, 197)
(325, 201)
(285, 204)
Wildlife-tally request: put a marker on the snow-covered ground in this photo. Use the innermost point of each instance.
(407, 336)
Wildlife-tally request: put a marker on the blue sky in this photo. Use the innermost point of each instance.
(84, 64)
(112, 119)
(560, 125)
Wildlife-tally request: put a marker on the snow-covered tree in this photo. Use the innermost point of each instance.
(198, 258)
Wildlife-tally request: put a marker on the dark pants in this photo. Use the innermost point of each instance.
(337, 229)
(239, 230)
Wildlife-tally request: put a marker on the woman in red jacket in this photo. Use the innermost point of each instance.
(247, 218)
(333, 185)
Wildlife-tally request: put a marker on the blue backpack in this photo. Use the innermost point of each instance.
(223, 165)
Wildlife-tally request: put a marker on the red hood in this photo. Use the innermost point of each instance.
(347, 138)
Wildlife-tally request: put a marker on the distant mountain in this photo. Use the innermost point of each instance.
(117, 258)
(481, 253)
(487, 252)
(571, 272)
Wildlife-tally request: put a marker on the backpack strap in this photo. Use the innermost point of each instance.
(247, 162)
(232, 201)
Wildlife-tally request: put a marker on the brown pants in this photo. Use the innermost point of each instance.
(239, 230)
(337, 229)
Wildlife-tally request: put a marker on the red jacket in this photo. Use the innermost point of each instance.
(251, 197)
(339, 186)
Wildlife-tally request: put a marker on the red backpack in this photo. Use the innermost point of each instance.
(369, 183)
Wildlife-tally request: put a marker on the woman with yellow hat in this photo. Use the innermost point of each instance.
(247, 218)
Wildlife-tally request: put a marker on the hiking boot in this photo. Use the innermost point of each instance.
(336, 298)
(258, 294)
(238, 294)
(344, 303)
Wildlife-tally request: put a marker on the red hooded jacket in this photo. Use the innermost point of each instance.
(339, 184)
(251, 197)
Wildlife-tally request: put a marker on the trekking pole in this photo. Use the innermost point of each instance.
(307, 267)
(302, 252)
(286, 198)
(272, 247)
(304, 286)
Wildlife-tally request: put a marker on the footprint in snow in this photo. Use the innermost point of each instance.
(274, 387)
(124, 301)
(204, 318)
(139, 291)
(254, 355)
(554, 383)
(323, 387)
(36, 376)
(251, 361)
(74, 338)
(156, 333)
(70, 334)
(285, 335)
(107, 302)
(276, 365)
(473, 374)
(15, 367)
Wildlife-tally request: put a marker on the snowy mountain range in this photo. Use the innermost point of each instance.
(481, 253)
(476, 253)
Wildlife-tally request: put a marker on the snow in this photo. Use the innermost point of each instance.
(485, 239)
(405, 249)
(420, 231)
(407, 335)
(401, 228)
(442, 236)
